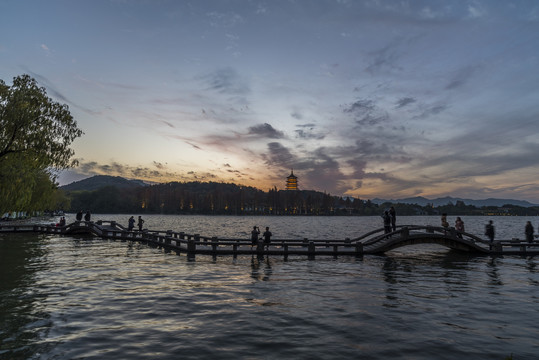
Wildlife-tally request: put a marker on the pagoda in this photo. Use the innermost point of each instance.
(291, 181)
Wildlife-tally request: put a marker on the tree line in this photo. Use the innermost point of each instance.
(211, 198)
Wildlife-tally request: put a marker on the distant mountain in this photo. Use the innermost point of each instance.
(419, 200)
(99, 181)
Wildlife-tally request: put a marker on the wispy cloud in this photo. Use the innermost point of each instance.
(227, 81)
(265, 131)
(402, 102)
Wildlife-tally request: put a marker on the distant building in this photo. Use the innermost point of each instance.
(292, 181)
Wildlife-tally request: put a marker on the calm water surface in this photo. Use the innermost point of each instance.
(66, 297)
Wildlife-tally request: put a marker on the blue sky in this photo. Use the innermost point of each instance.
(366, 98)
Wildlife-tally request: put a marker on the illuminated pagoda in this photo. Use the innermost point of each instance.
(291, 181)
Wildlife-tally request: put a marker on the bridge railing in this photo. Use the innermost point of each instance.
(405, 231)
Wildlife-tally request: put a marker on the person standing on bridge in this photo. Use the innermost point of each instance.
(445, 224)
(140, 222)
(387, 222)
(79, 215)
(529, 231)
(254, 236)
(87, 216)
(131, 223)
(489, 231)
(267, 237)
(459, 226)
(393, 215)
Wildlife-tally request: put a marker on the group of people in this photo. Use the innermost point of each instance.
(390, 220)
(62, 221)
(131, 223)
(87, 216)
(266, 236)
(459, 224)
(489, 228)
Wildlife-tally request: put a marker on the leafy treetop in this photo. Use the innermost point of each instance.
(35, 126)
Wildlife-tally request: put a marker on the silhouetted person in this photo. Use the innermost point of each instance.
(489, 231)
(62, 221)
(267, 237)
(131, 223)
(529, 231)
(387, 222)
(393, 215)
(254, 235)
(79, 215)
(459, 226)
(445, 224)
(140, 222)
(87, 216)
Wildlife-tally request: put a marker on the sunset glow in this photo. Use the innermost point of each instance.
(372, 99)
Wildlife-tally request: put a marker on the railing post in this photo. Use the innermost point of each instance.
(214, 244)
(191, 249)
(405, 232)
(359, 249)
(311, 250)
(235, 249)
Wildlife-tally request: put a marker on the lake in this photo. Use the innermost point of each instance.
(66, 297)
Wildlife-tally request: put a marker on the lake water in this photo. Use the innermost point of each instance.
(66, 297)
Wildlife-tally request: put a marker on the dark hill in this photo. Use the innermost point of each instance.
(421, 201)
(100, 181)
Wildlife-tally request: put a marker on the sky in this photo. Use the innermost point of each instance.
(374, 98)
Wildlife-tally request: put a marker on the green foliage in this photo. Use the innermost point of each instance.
(35, 135)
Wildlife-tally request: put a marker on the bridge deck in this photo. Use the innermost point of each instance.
(375, 242)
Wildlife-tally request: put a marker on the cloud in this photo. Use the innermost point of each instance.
(279, 156)
(462, 76)
(385, 59)
(427, 111)
(402, 102)
(156, 174)
(224, 19)
(227, 81)
(51, 89)
(46, 49)
(475, 10)
(159, 165)
(365, 112)
(360, 107)
(307, 135)
(306, 132)
(266, 131)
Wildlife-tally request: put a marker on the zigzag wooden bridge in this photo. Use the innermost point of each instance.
(373, 243)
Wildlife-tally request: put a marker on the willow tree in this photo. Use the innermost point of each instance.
(35, 137)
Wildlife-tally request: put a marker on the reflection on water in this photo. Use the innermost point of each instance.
(84, 297)
(261, 267)
(23, 320)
